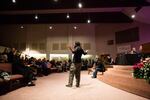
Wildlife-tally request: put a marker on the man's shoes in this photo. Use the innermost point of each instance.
(68, 85)
(31, 84)
(93, 77)
(77, 85)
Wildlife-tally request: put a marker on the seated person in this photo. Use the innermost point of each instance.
(19, 67)
(109, 60)
(99, 66)
(133, 51)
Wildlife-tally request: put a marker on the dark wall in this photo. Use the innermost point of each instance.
(129, 35)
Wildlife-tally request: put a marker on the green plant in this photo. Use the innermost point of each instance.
(142, 71)
(146, 70)
(137, 70)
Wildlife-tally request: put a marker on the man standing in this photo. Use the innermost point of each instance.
(76, 66)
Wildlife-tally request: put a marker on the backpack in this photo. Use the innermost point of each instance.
(4, 75)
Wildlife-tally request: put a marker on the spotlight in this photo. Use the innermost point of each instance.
(22, 27)
(14, 1)
(55, 0)
(133, 16)
(36, 17)
(88, 21)
(67, 16)
(80, 5)
(75, 27)
(50, 27)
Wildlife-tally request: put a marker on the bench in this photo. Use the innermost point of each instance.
(17, 78)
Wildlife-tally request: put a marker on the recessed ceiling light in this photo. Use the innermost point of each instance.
(55, 0)
(133, 16)
(36, 17)
(14, 1)
(88, 21)
(67, 16)
(80, 5)
(75, 27)
(22, 27)
(50, 27)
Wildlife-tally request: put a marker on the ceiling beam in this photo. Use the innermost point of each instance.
(48, 11)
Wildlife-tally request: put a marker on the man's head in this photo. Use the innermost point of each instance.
(13, 49)
(133, 49)
(77, 43)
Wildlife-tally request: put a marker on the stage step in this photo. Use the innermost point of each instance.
(119, 71)
(121, 78)
(108, 66)
(123, 67)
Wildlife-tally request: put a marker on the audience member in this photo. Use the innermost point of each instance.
(5, 55)
(99, 66)
(11, 55)
(19, 67)
(133, 51)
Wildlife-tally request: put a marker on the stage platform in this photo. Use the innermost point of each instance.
(120, 76)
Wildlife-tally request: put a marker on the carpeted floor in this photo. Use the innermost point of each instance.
(52, 87)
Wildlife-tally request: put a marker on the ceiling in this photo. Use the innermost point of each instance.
(49, 11)
(144, 15)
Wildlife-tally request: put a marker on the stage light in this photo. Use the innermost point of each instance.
(22, 27)
(14, 1)
(55, 0)
(51, 27)
(80, 5)
(36, 17)
(133, 16)
(88, 21)
(67, 16)
(75, 27)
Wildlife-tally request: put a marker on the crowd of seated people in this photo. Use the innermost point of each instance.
(18, 65)
(31, 67)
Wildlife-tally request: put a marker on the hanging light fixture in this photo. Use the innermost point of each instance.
(80, 4)
(88, 21)
(14, 1)
(36, 17)
(68, 16)
(22, 27)
(50, 27)
(133, 16)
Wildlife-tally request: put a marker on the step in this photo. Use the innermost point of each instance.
(123, 67)
(134, 83)
(135, 90)
(125, 80)
(136, 86)
(119, 71)
(108, 66)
